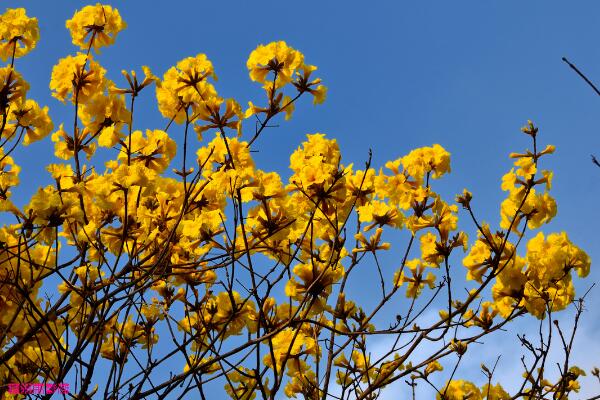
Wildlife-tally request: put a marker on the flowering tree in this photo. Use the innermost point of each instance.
(184, 256)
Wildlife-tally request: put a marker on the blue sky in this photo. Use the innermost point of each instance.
(465, 74)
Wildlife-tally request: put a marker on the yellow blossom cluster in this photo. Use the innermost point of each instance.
(19, 33)
(22, 120)
(462, 389)
(541, 281)
(96, 26)
(276, 65)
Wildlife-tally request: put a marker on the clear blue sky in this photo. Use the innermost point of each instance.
(464, 74)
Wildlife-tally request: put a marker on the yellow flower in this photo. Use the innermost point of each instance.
(303, 382)
(105, 116)
(398, 188)
(216, 156)
(430, 249)
(242, 386)
(87, 274)
(18, 33)
(288, 106)
(34, 119)
(478, 260)
(155, 151)
(290, 343)
(210, 111)
(444, 217)
(362, 363)
(254, 109)
(551, 258)
(153, 311)
(379, 214)
(9, 177)
(526, 166)
(495, 392)
(417, 281)
(460, 390)
(185, 85)
(319, 93)
(276, 57)
(372, 244)
(485, 318)
(123, 338)
(508, 289)
(509, 181)
(49, 208)
(73, 76)
(64, 144)
(99, 23)
(425, 160)
(360, 185)
(543, 208)
(540, 208)
(432, 367)
(316, 281)
(126, 176)
(550, 261)
(269, 186)
(230, 312)
(13, 87)
(303, 84)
